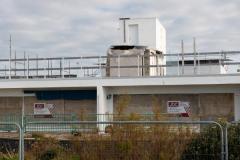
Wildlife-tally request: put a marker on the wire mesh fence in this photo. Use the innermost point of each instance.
(11, 141)
(126, 140)
(121, 137)
(232, 136)
(17, 118)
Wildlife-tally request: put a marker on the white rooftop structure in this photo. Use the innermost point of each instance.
(203, 66)
(143, 32)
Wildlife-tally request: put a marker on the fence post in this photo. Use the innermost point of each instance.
(226, 141)
(138, 72)
(63, 69)
(21, 139)
(119, 66)
(226, 138)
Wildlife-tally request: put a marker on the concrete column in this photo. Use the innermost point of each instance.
(101, 100)
(109, 103)
(104, 106)
(237, 106)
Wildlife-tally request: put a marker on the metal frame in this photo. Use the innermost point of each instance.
(21, 139)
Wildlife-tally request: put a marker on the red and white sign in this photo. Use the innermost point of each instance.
(178, 107)
(41, 109)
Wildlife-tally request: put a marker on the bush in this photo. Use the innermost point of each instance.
(48, 155)
(208, 145)
(234, 142)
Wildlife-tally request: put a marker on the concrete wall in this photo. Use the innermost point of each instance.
(206, 106)
(12, 105)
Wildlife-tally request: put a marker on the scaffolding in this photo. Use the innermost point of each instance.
(95, 66)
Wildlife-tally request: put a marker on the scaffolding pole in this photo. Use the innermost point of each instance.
(182, 46)
(194, 51)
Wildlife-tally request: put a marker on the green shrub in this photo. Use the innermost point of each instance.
(208, 144)
(75, 157)
(234, 142)
(7, 157)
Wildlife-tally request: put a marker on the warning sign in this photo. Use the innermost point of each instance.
(178, 107)
(42, 110)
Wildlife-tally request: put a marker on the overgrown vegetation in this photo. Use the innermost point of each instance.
(130, 142)
(134, 141)
(8, 156)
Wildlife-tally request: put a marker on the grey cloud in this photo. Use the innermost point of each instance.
(73, 27)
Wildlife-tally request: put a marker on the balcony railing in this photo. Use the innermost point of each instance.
(203, 63)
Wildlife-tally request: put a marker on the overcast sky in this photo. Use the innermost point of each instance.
(89, 27)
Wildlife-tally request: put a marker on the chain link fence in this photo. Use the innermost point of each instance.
(11, 141)
(232, 140)
(120, 139)
(127, 140)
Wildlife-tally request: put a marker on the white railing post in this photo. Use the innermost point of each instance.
(178, 60)
(28, 67)
(62, 67)
(100, 65)
(10, 68)
(138, 65)
(183, 61)
(199, 69)
(81, 66)
(119, 74)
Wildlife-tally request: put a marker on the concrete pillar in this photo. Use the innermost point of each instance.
(237, 106)
(104, 106)
(109, 103)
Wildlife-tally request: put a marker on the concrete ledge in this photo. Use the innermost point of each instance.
(229, 79)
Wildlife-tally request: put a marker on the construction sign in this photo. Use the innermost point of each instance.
(178, 107)
(43, 110)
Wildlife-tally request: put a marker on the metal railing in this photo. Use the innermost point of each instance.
(119, 65)
(17, 118)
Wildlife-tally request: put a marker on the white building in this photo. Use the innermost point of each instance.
(140, 37)
(70, 89)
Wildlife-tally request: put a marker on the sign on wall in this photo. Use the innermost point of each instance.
(178, 107)
(43, 109)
